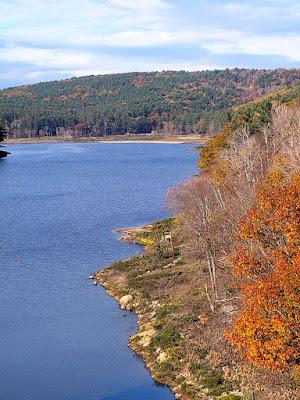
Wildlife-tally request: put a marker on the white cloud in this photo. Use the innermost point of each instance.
(286, 46)
(73, 37)
(44, 57)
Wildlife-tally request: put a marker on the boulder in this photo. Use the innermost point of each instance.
(125, 301)
(145, 337)
(162, 357)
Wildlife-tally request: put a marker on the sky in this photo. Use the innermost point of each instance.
(55, 39)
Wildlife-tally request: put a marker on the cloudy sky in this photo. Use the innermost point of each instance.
(53, 39)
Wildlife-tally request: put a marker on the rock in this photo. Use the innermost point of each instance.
(226, 372)
(125, 301)
(145, 337)
(178, 260)
(95, 283)
(237, 393)
(3, 154)
(162, 357)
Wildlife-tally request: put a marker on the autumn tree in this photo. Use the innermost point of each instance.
(267, 331)
(210, 152)
(206, 225)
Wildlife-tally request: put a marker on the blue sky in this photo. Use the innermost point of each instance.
(54, 39)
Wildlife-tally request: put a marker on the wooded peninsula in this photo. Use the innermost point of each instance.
(217, 289)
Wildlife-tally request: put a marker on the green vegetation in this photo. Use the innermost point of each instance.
(166, 338)
(3, 132)
(167, 102)
(256, 114)
(217, 287)
(252, 117)
(167, 299)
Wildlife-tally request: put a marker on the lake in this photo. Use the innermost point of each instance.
(61, 337)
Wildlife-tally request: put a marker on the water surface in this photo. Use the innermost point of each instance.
(60, 337)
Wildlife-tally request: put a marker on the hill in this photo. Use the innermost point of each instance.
(168, 102)
(217, 288)
(251, 117)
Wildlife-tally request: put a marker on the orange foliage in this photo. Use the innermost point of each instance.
(210, 152)
(275, 220)
(248, 263)
(81, 127)
(267, 331)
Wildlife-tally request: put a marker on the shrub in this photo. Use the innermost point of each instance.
(168, 337)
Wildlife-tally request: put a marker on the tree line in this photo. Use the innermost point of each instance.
(167, 102)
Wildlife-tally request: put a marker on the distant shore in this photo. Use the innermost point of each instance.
(193, 139)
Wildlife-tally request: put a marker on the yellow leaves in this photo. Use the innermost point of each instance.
(146, 241)
(220, 171)
(209, 153)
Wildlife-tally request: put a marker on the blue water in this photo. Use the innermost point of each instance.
(61, 337)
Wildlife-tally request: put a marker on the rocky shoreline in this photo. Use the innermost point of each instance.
(139, 341)
(180, 339)
(146, 330)
(168, 335)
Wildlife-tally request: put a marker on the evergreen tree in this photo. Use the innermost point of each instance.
(2, 131)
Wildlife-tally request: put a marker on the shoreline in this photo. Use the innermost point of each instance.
(188, 139)
(171, 334)
(132, 234)
(140, 333)
(145, 331)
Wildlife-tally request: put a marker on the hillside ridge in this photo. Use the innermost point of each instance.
(168, 102)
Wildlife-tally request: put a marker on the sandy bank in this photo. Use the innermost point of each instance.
(193, 139)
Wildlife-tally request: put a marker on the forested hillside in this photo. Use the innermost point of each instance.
(168, 102)
(217, 290)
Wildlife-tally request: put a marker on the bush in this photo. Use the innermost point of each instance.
(168, 337)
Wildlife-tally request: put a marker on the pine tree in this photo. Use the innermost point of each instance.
(2, 131)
